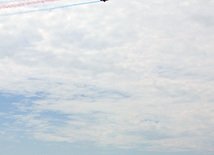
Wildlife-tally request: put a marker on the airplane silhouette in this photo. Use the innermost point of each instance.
(104, 0)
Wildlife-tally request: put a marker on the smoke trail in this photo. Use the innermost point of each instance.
(25, 4)
(49, 9)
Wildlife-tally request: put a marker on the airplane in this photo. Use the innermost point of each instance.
(104, 0)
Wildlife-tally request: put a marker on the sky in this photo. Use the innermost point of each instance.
(124, 77)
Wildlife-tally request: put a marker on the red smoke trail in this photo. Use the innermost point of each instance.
(25, 4)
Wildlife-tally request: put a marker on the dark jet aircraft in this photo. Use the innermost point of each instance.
(104, 0)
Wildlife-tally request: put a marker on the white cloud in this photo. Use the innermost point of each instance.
(124, 73)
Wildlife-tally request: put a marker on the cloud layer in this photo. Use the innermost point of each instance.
(130, 74)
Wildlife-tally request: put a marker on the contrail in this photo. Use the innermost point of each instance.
(49, 9)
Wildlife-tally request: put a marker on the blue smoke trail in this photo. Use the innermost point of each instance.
(49, 9)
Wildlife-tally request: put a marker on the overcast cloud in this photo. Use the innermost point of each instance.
(124, 74)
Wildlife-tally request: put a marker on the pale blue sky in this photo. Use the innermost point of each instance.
(44, 148)
(115, 78)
